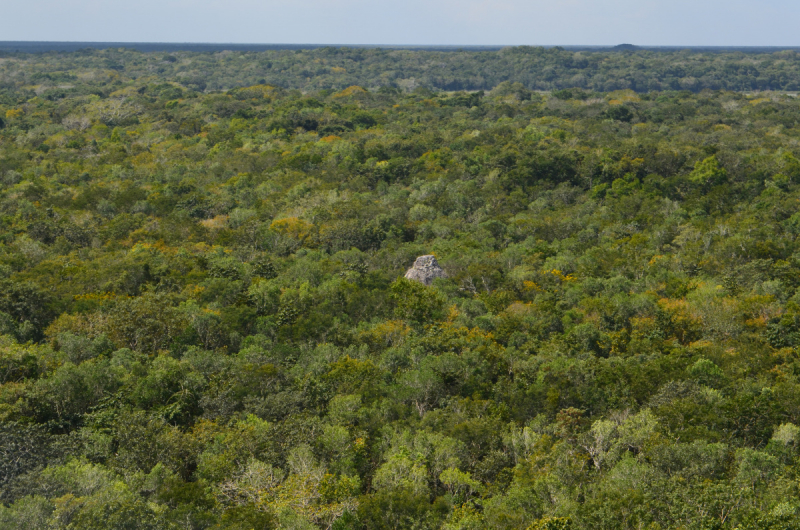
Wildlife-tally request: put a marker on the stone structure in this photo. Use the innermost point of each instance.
(425, 269)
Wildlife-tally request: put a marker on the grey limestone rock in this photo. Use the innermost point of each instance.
(425, 270)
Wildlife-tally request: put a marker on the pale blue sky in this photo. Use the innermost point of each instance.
(454, 22)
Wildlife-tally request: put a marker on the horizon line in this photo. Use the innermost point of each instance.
(48, 46)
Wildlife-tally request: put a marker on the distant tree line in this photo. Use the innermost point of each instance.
(536, 68)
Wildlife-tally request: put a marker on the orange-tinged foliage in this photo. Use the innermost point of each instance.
(254, 92)
(387, 334)
(293, 227)
(155, 246)
(684, 321)
(350, 91)
(641, 327)
(561, 276)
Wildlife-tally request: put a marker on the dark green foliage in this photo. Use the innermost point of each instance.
(620, 113)
(28, 307)
(23, 448)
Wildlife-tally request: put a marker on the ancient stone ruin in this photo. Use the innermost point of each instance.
(425, 270)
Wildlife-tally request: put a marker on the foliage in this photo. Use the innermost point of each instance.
(349, 72)
(204, 321)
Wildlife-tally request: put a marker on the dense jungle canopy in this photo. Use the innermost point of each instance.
(204, 321)
(97, 71)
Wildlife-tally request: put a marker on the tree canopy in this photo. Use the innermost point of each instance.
(568, 72)
(204, 321)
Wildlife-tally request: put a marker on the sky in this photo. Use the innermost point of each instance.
(432, 22)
